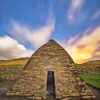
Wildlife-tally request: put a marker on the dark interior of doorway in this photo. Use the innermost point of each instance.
(51, 83)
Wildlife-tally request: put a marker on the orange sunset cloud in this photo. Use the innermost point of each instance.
(86, 47)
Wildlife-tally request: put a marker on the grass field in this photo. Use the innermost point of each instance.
(92, 79)
(14, 62)
(89, 64)
(11, 69)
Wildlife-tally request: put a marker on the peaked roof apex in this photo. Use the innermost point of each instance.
(51, 40)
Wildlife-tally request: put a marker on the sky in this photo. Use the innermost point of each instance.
(25, 25)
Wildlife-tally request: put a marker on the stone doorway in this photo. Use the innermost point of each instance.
(51, 83)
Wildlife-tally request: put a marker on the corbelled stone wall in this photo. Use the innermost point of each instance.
(90, 70)
(51, 57)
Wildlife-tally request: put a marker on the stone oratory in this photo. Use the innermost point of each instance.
(51, 71)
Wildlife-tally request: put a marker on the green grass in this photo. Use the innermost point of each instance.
(92, 79)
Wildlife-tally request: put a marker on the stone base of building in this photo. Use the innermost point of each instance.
(84, 97)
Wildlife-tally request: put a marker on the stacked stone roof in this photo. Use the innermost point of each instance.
(51, 57)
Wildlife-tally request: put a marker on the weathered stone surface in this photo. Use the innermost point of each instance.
(50, 57)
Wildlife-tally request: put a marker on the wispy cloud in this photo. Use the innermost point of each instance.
(10, 49)
(86, 47)
(36, 37)
(13, 47)
(75, 7)
(96, 15)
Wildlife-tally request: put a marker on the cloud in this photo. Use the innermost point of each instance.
(96, 15)
(75, 7)
(86, 47)
(10, 49)
(36, 37)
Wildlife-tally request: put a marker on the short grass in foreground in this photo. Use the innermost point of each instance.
(92, 79)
